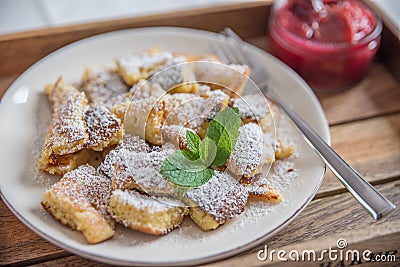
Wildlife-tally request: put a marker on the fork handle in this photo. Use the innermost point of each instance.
(372, 201)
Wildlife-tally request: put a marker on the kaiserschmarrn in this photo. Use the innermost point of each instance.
(132, 116)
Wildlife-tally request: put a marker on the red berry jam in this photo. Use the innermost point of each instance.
(330, 43)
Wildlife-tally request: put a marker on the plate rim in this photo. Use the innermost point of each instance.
(203, 260)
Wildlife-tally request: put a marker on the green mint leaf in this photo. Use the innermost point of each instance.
(208, 151)
(190, 155)
(188, 178)
(224, 131)
(180, 161)
(193, 141)
(224, 150)
(190, 168)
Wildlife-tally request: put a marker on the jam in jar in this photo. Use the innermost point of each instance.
(330, 43)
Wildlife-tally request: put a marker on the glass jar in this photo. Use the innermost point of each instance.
(330, 43)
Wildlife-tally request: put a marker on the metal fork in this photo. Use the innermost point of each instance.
(234, 51)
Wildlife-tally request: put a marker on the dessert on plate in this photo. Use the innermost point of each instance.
(152, 108)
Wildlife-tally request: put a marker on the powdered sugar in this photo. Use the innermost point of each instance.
(184, 110)
(130, 143)
(203, 90)
(252, 107)
(45, 180)
(191, 110)
(102, 125)
(139, 201)
(171, 74)
(68, 129)
(246, 157)
(96, 188)
(230, 77)
(145, 89)
(216, 101)
(222, 197)
(142, 171)
(175, 134)
(136, 63)
(269, 142)
(281, 175)
(101, 86)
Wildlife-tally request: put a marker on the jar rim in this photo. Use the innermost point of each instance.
(333, 45)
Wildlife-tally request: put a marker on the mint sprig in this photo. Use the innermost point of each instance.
(207, 151)
(183, 170)
(193, 141)
(192, 168)
(224, 131)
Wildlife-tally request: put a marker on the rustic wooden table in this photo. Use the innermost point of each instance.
(364, 123)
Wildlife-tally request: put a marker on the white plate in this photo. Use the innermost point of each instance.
(24, 104)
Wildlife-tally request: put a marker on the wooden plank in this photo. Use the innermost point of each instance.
(376, 245)
(20, 50)
(5, 82)
(19, 244)
(386, 243)
(371, 146)
(375, 172)
(71, 261)
(343, 218)
(375, 95)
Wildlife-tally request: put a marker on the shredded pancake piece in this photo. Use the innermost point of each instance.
(102, 86)
(219, 200)
(129, 144)
(141, 171)
(80, 200)
(145, 213)
(247, 156)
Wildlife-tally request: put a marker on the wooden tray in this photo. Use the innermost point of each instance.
(364, 123)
